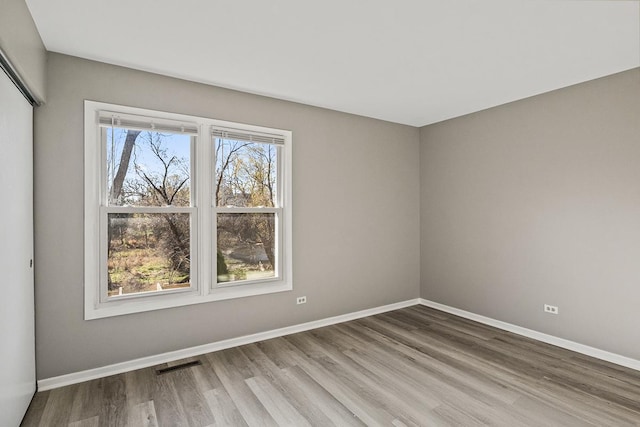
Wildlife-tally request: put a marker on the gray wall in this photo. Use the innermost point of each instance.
(20, 41)
(538, 201)
(356, 213)
(533, 202)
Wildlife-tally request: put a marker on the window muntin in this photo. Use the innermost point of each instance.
(140, 220)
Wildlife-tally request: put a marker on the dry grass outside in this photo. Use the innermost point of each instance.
(141, 270)
(244, 262)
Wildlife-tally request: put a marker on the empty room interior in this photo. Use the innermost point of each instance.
(414, 213)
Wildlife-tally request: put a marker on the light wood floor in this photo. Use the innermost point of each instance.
(415, 366)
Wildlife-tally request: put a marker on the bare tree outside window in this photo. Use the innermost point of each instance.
(246, 177)
(182, 209)
(148, 252)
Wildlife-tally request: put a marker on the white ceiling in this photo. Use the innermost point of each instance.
(407, 61)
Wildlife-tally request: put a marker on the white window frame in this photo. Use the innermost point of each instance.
(204, 286)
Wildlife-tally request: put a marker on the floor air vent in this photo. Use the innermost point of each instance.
(178, 367)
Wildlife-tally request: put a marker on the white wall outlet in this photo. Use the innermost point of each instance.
(301, 300)
(551, 309)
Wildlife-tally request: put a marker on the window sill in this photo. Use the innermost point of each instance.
(159, 302)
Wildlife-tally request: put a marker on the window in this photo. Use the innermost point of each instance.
(182, 210)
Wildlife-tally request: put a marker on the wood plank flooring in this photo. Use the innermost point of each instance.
(411, 367)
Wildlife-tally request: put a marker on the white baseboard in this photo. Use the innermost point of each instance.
(549, 339)
(144, 362)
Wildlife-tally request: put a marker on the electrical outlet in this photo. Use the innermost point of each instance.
(551, 309)
(301, 300)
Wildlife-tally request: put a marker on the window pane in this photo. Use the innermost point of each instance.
(147, 168)
(246, 246)
(246, 174)
(148, 252)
